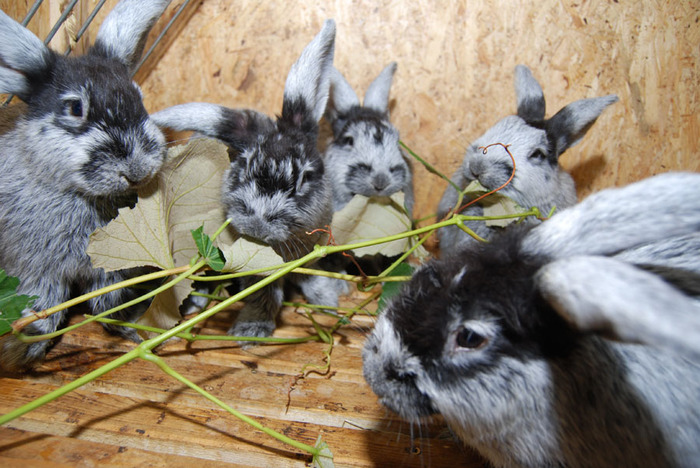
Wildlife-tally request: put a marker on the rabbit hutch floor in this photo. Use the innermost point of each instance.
(137, 415)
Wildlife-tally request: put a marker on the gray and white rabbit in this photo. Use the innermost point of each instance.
(275, 190)
(364, 157)
(79, 152)
(571, 343)
(536, 144)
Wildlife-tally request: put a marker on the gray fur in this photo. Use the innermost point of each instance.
(79, 152)
(536, 145)
(275, 191)
(510, 341)
(120, 35)
(567, 285)
(364, 157)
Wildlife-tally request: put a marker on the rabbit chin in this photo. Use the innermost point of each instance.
(392, 375)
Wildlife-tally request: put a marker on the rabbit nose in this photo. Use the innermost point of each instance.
(380, 182)
(131, 179)
(475, 170)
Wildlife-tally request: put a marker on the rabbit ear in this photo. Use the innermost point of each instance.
(342, 95)
(308, 82)
(618, 300)
(570, 124)
(21, 51)
(528, 95)
(237, 128)
(377, 95)
(122, 35)
(613, 220)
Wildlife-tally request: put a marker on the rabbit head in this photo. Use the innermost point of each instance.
(364, 157)
(535, 144)
(275, 190)
(538, 355)
(87, 129)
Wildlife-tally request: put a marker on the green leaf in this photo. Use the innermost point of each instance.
(324, 459)
(494, 205)
(212, 254)
(11, 303)
(391, 289)
(364, 219)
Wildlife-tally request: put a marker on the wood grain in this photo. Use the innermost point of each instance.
(138, 415)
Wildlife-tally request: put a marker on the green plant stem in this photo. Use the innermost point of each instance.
(150, 357)
(428, 166)
(34, 338)
(23, 322)
(404, 256)
(79, 382)
(193, 337)
(142, 349)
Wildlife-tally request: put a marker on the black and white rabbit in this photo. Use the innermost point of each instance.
(565, 344)
(536, 144)
(275, 190)
(79, 152)
(364, 157)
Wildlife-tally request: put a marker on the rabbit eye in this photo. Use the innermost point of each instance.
(364, 167)
(73, 107)
(538, 154)
(470, 339)
(396, 170)
(347, 141)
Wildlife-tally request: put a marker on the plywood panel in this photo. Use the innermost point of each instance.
(456, 61)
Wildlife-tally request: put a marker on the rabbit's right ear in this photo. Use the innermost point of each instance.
(620, 301)
(529, 96)
(613, 220)
(308, 82)
(342, 96)
(377, 95)
(122, 35)
(238, 128)
(24, 57)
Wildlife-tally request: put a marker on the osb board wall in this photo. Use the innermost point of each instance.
(455, 74)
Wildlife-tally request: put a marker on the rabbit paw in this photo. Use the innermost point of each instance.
(18, 356)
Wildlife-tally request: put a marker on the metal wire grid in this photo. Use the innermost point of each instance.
(66, 13)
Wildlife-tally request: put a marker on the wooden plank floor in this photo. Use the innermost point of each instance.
(139, 416)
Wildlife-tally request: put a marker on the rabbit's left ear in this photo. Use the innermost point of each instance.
(620, 301)
(570, 124)
(377, 95)
(122, 35)
(308, 82)
(238, 128)
(24, 58)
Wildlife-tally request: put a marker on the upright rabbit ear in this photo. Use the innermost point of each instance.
(342, 96)
(122, 35)
(569, 125)
(614, 220)
(308, 82)
(377, 95)
(623, 302)
(529, 96)
(237, 128)
(24, 58)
